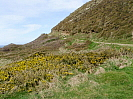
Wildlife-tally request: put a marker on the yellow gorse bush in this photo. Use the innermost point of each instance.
(40, 68)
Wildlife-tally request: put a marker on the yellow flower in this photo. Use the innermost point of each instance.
(30, 90)
(35, 80)
(43, 81)
(71, 73)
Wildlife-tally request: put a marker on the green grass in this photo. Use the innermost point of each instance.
(111, 85)
(18, 95)
(114, 78)
(50, 40)
(114, 84)
(122, 41)
(110, 40)
(93, 46)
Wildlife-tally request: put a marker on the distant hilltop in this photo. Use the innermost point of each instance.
(2, 46)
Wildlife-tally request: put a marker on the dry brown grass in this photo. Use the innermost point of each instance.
(79, 46)
(3, 62)
(78, 79)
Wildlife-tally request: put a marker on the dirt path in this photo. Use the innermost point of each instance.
(130, 45)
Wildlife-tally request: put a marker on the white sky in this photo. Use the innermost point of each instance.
(21, 21)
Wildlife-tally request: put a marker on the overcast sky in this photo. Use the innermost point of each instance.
(21, 21)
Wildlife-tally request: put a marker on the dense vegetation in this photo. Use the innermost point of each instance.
(27, 74)
(41, 72)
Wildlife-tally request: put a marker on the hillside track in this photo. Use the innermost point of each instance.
(129, 45)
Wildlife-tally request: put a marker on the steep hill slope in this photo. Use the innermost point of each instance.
(108, 18)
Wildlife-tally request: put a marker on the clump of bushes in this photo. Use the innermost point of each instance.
(126, 51)
(40, 69)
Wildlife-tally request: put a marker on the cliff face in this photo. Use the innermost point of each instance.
(108, 18)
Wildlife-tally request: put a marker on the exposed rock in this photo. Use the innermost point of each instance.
(78, 79)
(99, 71)
(93, 83)
(121, 67)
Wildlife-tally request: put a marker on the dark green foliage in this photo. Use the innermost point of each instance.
(51, 40)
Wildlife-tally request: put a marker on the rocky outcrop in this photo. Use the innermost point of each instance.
(99, 71)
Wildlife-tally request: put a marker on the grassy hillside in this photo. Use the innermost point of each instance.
(70, 71)
(108, 18)
(71, 62)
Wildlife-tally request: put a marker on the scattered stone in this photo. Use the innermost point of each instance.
(78, 79)
(99, 71)
(93, 83)
(121, 67)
